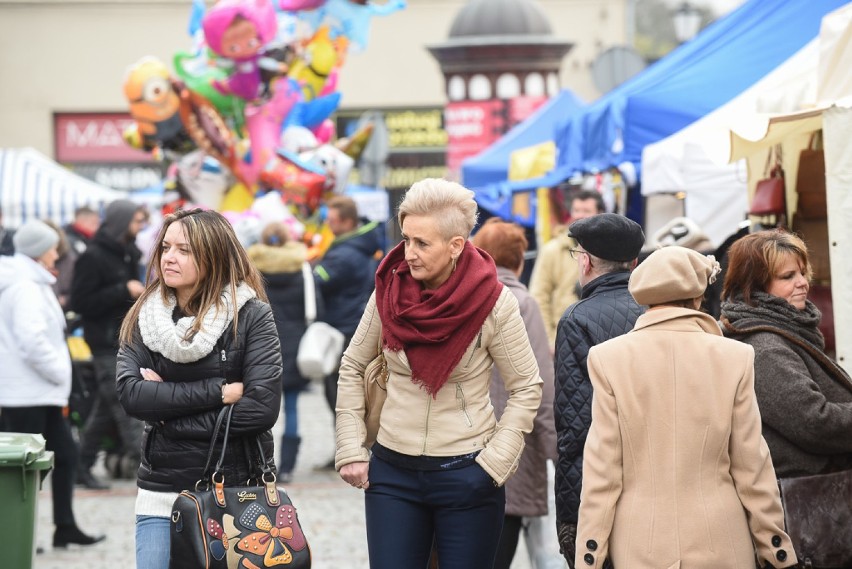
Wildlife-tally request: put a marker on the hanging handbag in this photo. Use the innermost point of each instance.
(769, 194)
(218, 527)
(322, 345)
(375, 393)
(810, 181)
(818, 514)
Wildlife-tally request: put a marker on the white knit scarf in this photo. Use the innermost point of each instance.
(164, 336)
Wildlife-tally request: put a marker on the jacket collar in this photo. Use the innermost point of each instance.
(678, 319)
(605, 282)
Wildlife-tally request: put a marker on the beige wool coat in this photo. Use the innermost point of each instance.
(676, 473)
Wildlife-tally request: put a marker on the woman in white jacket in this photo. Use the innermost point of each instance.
(35, 378)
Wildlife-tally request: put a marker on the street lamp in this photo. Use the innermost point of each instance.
(687, 21)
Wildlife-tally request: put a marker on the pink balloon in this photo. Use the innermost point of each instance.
(324, 131)
(294, 5)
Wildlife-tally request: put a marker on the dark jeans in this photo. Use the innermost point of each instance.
(106, 414)
(508, 541)
(462, 508)
(49, 422)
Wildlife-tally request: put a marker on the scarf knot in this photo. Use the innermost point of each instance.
(161, 334)
(435, 327)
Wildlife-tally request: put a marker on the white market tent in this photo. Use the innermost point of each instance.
(34, 186)
(832, 114)
(695, 160)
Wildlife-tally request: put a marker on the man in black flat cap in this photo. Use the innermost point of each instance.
(607, 247)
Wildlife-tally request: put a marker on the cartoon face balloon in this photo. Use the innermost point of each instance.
(153, 101)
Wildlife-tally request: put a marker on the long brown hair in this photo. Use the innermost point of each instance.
(753, 262)
(219, 258)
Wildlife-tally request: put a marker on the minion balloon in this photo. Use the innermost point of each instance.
(154, 105)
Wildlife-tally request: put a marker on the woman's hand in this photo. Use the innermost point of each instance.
(149, 374)
(232, 392)
(356, 474)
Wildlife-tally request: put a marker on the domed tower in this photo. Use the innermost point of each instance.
(500, 49)
(500, 63)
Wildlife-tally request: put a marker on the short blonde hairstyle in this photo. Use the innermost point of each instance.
(450, 204)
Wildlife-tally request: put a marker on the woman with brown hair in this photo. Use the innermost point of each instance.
(200, 336)
(805, 398)
(527, 490)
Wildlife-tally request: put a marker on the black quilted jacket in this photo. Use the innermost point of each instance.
(605, 310)
(180, 412)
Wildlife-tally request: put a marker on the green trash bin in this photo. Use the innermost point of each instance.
(23, 466)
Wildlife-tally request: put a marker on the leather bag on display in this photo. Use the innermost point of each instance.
(227, 527)
(818, 514)
(810, 181)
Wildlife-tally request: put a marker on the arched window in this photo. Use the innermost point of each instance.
(479, 88)
(552, 84)
(456, 88)
(534, 85)
(508, 86)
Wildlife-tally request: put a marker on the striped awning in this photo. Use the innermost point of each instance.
(34, 186)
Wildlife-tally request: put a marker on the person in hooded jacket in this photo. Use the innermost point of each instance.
(281, 260)
(201, 336)
(104, 286)
(345, 275)
(35, 378)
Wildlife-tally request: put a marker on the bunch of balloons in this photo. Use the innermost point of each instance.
(254, 96)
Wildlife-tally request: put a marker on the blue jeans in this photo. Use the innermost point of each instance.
(462, 508)
(153, 542)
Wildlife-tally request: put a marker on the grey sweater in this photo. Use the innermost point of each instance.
(805, 398)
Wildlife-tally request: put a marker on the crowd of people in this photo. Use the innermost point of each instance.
(665, 428)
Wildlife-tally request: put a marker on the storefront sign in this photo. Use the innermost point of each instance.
(94, 137)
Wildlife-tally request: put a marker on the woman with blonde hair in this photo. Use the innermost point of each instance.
(281, 261)
(200, 336)
(675, 471)
(441, 457)
(805, 398)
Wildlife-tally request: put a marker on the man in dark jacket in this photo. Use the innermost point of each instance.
(346, 274)
(104, 286)
(607, 247)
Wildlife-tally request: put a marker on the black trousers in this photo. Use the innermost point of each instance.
(106, 416)
(49, 422)
(508, 541)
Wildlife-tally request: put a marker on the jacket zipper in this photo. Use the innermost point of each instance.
(428, 410)
(476, 347)
(224, 357)
(462, 404)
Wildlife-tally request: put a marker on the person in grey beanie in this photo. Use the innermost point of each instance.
(105, 284)
(35, 378)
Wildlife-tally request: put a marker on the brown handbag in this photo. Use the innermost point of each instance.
(375, 392)
(810, 181)
(818, 513)
(769, 194)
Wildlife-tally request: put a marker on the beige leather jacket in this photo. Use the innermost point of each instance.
(460, 419)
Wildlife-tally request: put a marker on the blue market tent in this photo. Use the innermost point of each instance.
(723, 60)
(492, 164)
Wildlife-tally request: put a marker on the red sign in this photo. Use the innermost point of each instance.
(94, 137)
(471, 127)
(522, 107)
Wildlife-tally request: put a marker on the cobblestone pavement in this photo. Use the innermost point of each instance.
(331, 512)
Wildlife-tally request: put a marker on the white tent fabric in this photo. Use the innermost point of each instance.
(34, 186)
(834, 116)
(695, 159)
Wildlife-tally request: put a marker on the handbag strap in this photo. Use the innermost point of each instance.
(205, 474)
(310, 293)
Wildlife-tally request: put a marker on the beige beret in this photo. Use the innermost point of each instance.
(671, 274)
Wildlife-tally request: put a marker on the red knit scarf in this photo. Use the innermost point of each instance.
(435, 327)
